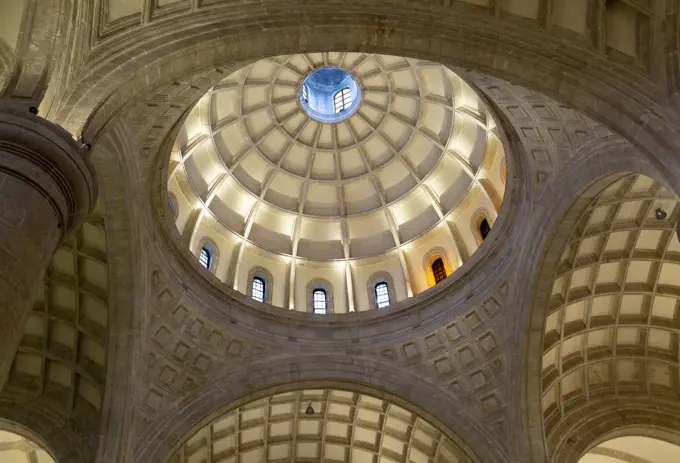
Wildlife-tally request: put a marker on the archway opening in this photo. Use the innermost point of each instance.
(16, 448)
(611, 324)
(330, 425)
(633, 449)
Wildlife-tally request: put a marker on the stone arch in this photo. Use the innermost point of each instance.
(615, 160)
(466, 39)
(283, 373)
(37, 419)
(261, 272)
(600, 422)
(28, 435)
(128, 284)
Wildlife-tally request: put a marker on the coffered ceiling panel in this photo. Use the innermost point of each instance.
(330, 426)
(614, 318)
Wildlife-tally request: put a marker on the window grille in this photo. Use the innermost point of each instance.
(438, 270)
(258, 291)
(382, 295)
(342, 100)
(205, 258)
(319, 301)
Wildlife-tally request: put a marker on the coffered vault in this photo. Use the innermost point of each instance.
(553, 338)
(319, 425)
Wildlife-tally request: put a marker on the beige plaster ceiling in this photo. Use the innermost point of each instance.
(345, 426)
(18, 449)
(613, 321)
(413, 169)
(633, 449)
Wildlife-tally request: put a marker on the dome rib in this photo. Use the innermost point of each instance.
(396, 174)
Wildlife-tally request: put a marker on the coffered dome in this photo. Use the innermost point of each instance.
(410, 164)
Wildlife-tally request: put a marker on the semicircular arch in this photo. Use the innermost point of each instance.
(613, 172)
(280, 374)
(468, 40)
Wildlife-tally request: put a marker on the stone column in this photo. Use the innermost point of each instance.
(47, 188)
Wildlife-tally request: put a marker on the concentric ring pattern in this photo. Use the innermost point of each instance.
(421, 150)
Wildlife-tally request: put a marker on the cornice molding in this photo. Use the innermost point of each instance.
(66, 177)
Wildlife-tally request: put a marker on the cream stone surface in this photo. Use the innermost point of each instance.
(553, 340)
(632, 449)
(17, 449)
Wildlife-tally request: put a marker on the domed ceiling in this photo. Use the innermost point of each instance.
(253, 170)
(324, 425)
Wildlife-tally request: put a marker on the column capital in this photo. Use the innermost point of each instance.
(47, 157)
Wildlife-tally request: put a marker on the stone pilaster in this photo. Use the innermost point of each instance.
(47, 188)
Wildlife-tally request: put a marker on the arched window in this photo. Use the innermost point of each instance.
(342, 100)
(484, 228)
(382, 295)
(304, 92)
(173, 206)
(438, 270)
(319, 301)
(259, 289)
(205, 257)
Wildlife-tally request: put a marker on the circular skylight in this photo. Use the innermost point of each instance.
(330, 95)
